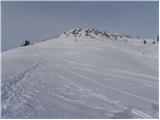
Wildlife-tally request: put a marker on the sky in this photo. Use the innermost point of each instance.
(40, 20)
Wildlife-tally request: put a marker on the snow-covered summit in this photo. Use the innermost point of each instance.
(80, 34)
(94, 33)
(81, 76)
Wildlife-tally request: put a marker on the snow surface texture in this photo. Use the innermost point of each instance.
(81, 74)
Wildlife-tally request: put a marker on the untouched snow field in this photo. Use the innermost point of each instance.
(82, 76)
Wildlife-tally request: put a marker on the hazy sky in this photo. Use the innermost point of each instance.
(35, 21)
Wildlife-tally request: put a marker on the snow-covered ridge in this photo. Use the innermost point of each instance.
(93, 33)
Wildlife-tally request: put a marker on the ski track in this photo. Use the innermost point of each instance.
(12, 90)
(109, 69)
(127, 74)
(147, 83)
(102, 97)
(96, 96)
(84, 67)
(115, 89)
(90, 68)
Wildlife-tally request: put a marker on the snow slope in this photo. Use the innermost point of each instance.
(81, 76)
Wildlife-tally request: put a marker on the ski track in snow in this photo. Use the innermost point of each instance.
(139, 113)
(91, 69)
(115, 70)
(115, 89)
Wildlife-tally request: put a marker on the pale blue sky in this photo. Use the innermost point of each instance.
(35, 21)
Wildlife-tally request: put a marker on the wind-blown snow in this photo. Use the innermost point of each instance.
(81, 76)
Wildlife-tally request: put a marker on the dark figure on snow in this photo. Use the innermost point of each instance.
(26, 43)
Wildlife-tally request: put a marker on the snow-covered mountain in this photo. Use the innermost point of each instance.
(82, 73)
